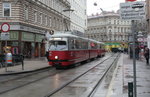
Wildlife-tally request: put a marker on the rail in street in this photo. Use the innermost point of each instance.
(46, 84)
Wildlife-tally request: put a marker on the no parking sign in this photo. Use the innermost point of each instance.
(5, 27)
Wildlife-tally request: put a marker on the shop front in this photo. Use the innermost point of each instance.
(28, 44)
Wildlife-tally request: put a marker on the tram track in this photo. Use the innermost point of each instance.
(42, 76)
(101, 79)
(12, 77)
(81, 75)
(26, 76)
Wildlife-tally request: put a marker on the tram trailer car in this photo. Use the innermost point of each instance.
(66, 50)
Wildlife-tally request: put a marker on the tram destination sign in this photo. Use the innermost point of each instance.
(132, 10)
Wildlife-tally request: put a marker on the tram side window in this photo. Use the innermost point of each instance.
(84, 45)
(77, 44)
(71, 44)
(93, 45)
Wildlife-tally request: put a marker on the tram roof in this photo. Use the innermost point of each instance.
(66, 34)
(69, 34)
(63, 34)
(96, 41)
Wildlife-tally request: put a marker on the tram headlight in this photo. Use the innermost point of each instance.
(56, 57)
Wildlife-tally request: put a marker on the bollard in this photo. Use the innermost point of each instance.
(130, 89)
(8, 57)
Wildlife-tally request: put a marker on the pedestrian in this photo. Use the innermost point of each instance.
(137, 51)
(131, 53)
(141, 53)
(146, 55)
(47, 55)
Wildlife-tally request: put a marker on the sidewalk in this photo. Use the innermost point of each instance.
(29, 66)
(125, 74)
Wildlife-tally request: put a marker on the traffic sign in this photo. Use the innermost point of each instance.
(140, 39)
(51, 32)
(132, 10)
(5, 27)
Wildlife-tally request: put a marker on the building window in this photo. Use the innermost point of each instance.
(26, 12)
(6, 9)
(40, 18)
(35, 16)
(50, 21)
(46, 20)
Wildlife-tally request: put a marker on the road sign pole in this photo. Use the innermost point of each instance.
(5, 27)
(134, 59)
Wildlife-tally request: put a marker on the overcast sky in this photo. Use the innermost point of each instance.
(106, 5)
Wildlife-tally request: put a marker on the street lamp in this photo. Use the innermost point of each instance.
(71, 10)
(65, 22)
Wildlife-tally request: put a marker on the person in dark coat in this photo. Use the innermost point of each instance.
(131, 53)
(146, 55)
(137, 52)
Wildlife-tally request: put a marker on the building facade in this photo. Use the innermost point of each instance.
(29, 20)
(109, 28)
(148, 21)
(78, 16)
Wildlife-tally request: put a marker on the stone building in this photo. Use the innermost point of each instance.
(30, 19)
(148, 21)
(109, 28)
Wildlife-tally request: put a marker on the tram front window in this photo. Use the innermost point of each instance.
(58, 45)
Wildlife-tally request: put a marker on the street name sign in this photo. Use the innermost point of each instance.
(132, 10)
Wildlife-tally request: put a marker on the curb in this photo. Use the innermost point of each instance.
(22, 72)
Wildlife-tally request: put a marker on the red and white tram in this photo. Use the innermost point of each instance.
(67, 49)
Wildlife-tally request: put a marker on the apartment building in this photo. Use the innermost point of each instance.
(109, 28)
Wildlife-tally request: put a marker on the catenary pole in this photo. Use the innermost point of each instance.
(134, 59)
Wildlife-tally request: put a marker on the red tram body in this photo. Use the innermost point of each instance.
(67, 49)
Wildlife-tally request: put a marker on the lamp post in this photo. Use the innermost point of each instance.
(65, 22)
